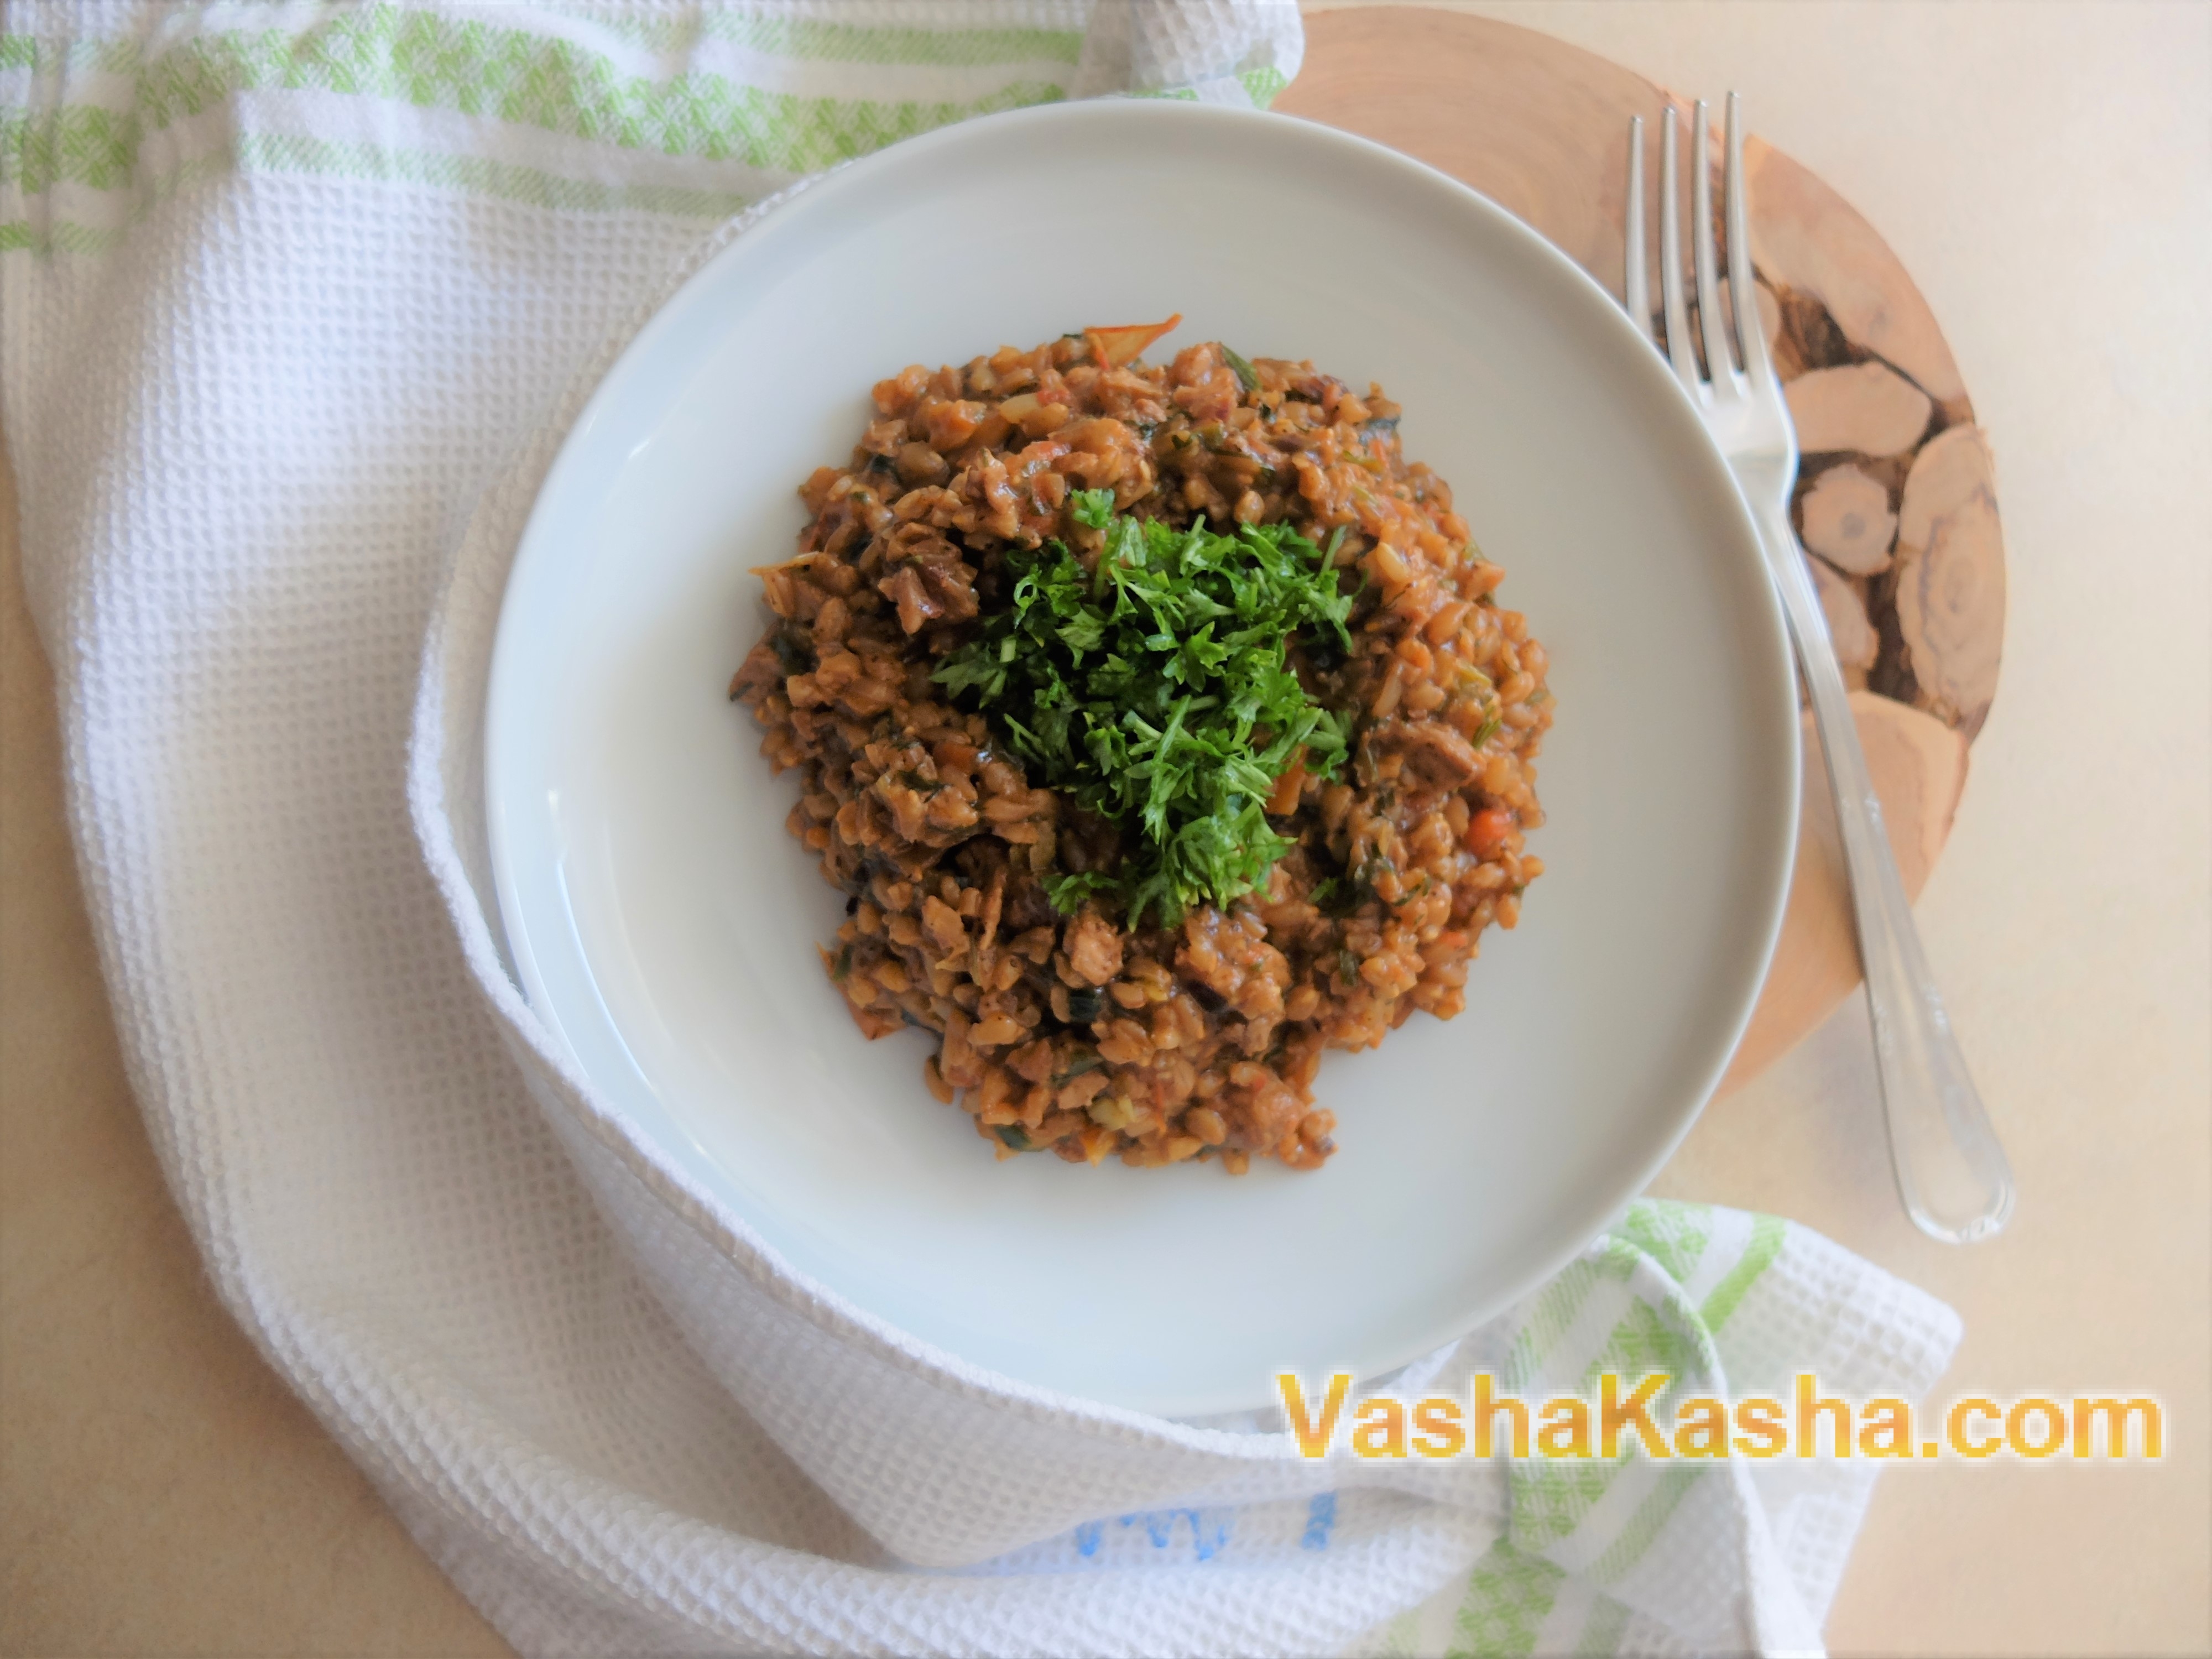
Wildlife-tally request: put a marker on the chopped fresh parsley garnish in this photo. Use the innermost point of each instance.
(1247, 376)
(1091, 507)
(1156, 691)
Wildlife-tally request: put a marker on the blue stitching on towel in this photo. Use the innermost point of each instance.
(1320, 1515)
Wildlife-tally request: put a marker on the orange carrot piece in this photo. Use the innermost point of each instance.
(1110, 348)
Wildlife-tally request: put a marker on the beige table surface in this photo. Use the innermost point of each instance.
(2045, 170)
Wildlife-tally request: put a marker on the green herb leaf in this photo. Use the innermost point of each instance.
(1015, 1136)
(1068, 892)
(1091, 507)
(1247, 376)
(1155, 690)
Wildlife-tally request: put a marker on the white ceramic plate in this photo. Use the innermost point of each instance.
(664, 922)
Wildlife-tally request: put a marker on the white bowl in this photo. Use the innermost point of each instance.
(664, 923)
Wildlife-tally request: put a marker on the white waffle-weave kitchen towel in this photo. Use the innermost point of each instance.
(296, 302)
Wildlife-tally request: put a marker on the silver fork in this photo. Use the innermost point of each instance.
(1951, 1172)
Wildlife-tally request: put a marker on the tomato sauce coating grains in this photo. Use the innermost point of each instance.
(1073, 1033)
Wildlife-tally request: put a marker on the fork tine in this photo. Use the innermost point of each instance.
(1635, 280)
(1670, 258)
(1743, 293)
(1719, 364)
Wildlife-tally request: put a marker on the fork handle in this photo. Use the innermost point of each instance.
(1951, 1172)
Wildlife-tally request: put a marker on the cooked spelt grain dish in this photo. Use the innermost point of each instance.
(1162, 728)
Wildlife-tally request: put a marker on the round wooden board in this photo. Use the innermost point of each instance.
(1902, 505)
